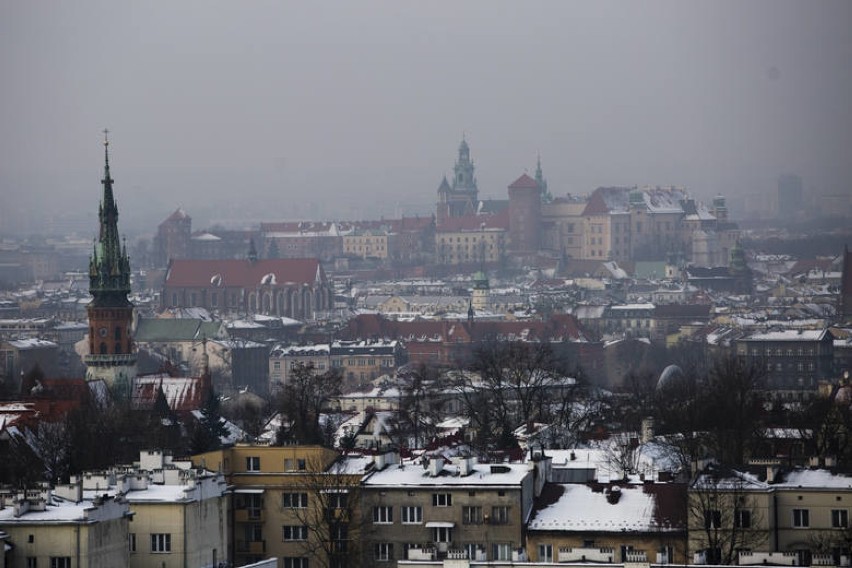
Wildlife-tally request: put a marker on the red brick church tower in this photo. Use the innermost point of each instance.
(111, 357)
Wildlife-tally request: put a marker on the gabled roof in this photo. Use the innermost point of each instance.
(178, 215)
(243, 273)
(184, 394)
(524, 182)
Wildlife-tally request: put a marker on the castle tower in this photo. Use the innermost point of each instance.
(720, 210)
(462, 196)
(524, 215)
(479, 296)
(111, 357)
(546, 197)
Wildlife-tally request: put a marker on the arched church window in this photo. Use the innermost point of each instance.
(103, 349)
(118, 333)
(118, 348)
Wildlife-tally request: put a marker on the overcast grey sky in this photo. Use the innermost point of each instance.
(358, 107)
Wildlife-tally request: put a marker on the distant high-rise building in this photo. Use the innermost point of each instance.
(111, 356)
(789, 196)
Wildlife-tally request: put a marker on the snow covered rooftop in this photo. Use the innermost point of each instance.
(588, 508)
(411, 474)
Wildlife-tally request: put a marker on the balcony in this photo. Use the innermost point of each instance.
(775, 558)
(251, 546)
(248, 515)
(569, 554)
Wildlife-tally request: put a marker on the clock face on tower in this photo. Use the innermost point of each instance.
(103, 332)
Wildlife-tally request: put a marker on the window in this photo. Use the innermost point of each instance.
(382, 515)
(32, 562)
(337, 500)
(412, 515)
(839, 518)
(295, 562)
(742, 519)
(712, 519)
(501, 551)
(442, 499)
(442, 534)
(161, 542)
(131, 542)
(294, 532)
(472, 515)
(500, 515)
(253, 463)
(384, 551)
(294, 500)
(60, 562)
(801, 518)
(545, 553)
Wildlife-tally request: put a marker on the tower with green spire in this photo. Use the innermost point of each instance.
(111, 357)
(546, 197)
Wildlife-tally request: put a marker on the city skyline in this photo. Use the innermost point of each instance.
(363, 107)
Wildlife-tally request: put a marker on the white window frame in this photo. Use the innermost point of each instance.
(412, 515)
(289, 498)
(839, 518)
(383, 551)
(161, 543)
(442, 499)
(382, 515)
(253, 463)
(801, 518)
(545, 552)
(291, 533)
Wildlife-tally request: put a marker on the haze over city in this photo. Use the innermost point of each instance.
(267, 110)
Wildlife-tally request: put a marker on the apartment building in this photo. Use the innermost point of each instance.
(611, 523)
(357, 361)
(62, 529)
(795, 360)
(441, 509)
(769, 516)
(289, 502)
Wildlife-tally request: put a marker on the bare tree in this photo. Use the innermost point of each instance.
(52, 443)
(725, 514)
(331, 514)
(509, 384)
(302, 400)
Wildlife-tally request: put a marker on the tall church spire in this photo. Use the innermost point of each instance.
(111, 357)
(109, 268)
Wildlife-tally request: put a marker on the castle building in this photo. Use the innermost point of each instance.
(111, 357)
(462, 196)
(173, 239)
(525, 214)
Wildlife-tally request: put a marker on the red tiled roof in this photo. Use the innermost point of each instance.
(559, 326)
(597, 204)
(184, 394)
(178, 215)
(524, 182)
(243, 273)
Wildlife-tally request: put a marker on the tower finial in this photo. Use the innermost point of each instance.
(106, 146)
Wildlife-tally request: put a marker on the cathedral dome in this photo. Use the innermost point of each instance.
(671, 378)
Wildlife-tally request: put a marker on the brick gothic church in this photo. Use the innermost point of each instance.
(111, 357)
